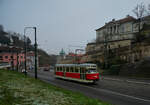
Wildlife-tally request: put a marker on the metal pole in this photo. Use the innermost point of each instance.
(17, 61)
(12, 59)
(25, 52)
(35, 54)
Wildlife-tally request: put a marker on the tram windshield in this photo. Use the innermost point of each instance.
(91, 71)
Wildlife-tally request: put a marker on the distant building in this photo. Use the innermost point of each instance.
(61, 56)
(12, 55)
(15, 57)
(117, 30)
(118, 38)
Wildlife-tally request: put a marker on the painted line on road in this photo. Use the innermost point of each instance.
(138, 82)
(146, 83)
(116, 93)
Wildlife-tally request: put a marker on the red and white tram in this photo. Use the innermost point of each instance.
(77, 72)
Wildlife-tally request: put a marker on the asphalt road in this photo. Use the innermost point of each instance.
(116, 92)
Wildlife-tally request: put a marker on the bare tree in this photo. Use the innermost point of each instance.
(148, 10)
(139, 10)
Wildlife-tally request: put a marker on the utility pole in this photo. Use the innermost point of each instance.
(35, 53)
(17, 61)
(12, 60)
(25, 52)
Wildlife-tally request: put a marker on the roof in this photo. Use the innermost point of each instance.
(101, 28)
(120, 21)
(92, 43)
(126, 19)
(83, 65)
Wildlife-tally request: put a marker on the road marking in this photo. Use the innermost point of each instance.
(138, 82)
(127, 81)
(116, 93)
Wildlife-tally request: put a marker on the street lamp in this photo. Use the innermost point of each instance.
(35, 50)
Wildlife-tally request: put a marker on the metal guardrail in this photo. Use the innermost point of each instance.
(3, 65)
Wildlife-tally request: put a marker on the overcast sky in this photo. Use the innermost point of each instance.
(62, 23)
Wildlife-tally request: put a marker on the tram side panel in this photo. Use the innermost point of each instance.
(59, 73)
(73, 75)
(94, 76)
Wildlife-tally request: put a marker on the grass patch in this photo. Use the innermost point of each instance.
(16, 89)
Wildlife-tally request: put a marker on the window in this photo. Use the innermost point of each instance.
(122, 29)
(92, 71)
(67, 69)
(114, 29)
(11, 57)
(6, 57)
(76, 69)
(128, 27)
(63, 69)
(110, 30)
(60, 68)
(57, 68)
(1, 57)
(71, 69)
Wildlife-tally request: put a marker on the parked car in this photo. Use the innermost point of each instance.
(46, 68)
(23, 71)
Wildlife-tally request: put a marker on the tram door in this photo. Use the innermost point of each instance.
(82, 73)
(64, 71)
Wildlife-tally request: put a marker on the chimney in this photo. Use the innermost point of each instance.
(113, 20)
(128, 16)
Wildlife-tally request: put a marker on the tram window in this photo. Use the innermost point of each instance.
(60, 68)
(57, 68)
(76, 70)
(71, 69)
(91, 71)
(67, 69)
(64, 69)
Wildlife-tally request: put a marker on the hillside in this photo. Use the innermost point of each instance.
(16, 39)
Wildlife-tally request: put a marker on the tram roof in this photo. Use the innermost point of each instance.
(84, 64)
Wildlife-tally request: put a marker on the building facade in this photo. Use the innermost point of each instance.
(117, 38)
(12, 55)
